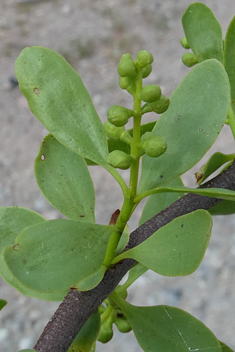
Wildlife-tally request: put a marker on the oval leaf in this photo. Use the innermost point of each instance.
(203, 32)
(13, 221)
(57, 254)
(64, 180)
(58, 98)
(177, 248)
(164, 328)
(195, 116)
(229, 53)
(87, 336)
(159, 201)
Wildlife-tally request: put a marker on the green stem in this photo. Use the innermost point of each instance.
(118, 178)
(231, 120)
(106, 314)
(129, 194)
(208, 192)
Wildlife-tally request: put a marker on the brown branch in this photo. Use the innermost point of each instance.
(77, 307)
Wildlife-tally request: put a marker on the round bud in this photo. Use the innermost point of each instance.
(144, 58)
(119, 159)
(150, 93)
(154, 146)
(126, 67)
(146, 71)
(113, 131)
(124, 82)
(118, 115)
(189, 59)
(159, 106)
(184, 43)
(106, 330)
(123, 325)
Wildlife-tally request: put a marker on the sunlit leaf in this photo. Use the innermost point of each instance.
(164, 328)
(57, 254)
(214, 163)
(87, 336)
(59, 99)
(229, 53)
(203, 32)
(177, 248)
(3, 303)
(64, 180)
(159, 201)
(195, 116)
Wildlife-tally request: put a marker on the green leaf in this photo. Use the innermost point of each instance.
(3, 303)
(229, 53)
(208, 192)
(159, 201)
(136, 272)
(64, 180)
(198, 109)
(226, 207)
(164, 328)
(92, 280)
(87, 336)
(177, 248)
(27, 351)
(58, 98)
(57, 254)
(14, 220)
(214, 163)
(225, 348)
(203, 32)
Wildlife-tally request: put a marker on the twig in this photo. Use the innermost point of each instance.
(77, 307)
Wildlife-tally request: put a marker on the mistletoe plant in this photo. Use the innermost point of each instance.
(84, 260)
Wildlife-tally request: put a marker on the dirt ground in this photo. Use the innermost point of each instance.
(92, 36)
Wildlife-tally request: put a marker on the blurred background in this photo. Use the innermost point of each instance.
(92, 36)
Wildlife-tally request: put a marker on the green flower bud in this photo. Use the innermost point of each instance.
(127, 83)
(118, 115)
(159, 106)
(184, 43)
(154, 146)
(106, 330)
(126, 67)
(119, 159)
(123, 325)
(189, 59)
(146, 71)
(113, 131)
(144, 58)
(150, 93)
(126, 137)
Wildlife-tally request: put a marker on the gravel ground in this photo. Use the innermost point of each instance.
(92, 36)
